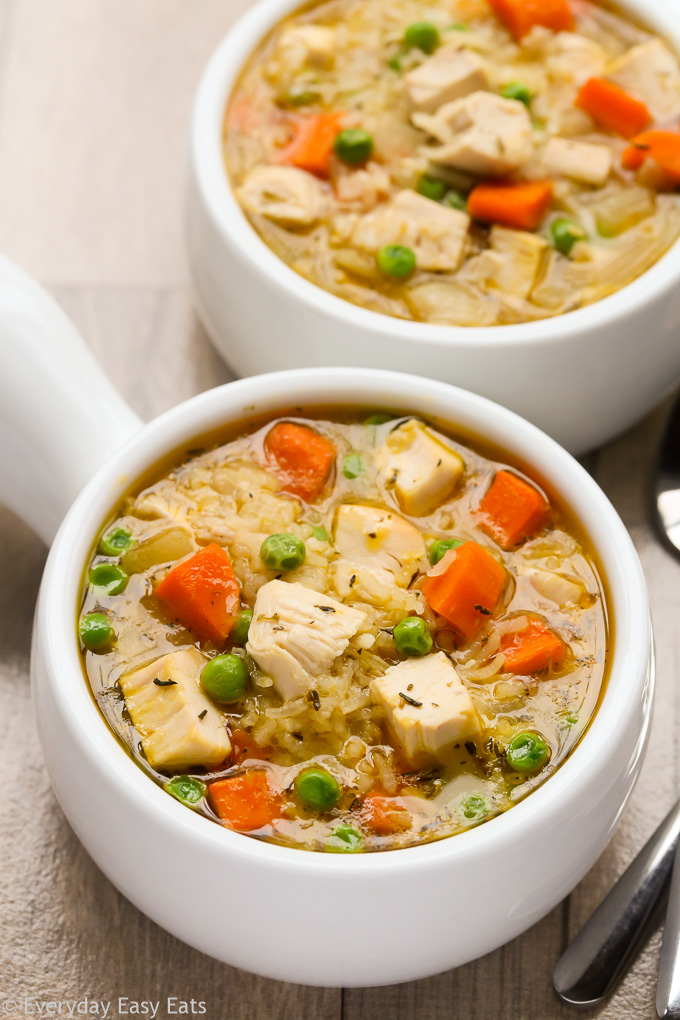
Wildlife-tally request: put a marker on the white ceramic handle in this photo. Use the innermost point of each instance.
(60, 416)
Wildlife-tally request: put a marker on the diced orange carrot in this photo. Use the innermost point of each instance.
(522, 206)
(386, 815)
(533, 649)
(613, 108)
(661, 146)
(467, 590)
(245, 802)
(303, 458)
(312, 147)
(520, 16)
(634, 156)
(203, 593)
(512, 510)
(244, 747)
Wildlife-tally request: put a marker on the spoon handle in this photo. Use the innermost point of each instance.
(668, 985)
(590, 968)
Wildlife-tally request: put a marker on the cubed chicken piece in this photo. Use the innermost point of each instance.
(481, 134)
(423, 469)
(454, 303)
(573, 58)
(284, 194)
(179, 725)
(555, 587)
(438, 713)
(380, 540)
(651, 73)
(513, 262)
(308, 44)
(450, 74)
(436, 234)
(585, 162)
(296, 634)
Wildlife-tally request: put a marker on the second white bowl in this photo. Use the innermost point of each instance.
(582, 377)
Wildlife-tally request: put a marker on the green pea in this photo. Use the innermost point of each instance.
(283, 552)
(381, 418)
(439, 549)
(527, 752)
(352, 466)
(302, 94)
(396, 260)
(317, 789)
(96, 631)
(187, 790)
(239, 632)
(344, 840)
(565, 234)
(519, 91)
(225, 678)
(116, 542)
(109, 577)
(321, 535)
(412, 637)
(475, 807)
(394, 63)
(354, 146)
(432, 187)
(422, 35)
(455, 200)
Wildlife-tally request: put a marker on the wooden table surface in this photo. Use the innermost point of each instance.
(95, 97)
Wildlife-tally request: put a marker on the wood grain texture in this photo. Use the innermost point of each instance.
(94, 106)
(94, 120)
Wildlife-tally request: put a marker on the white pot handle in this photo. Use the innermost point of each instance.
(60, 417)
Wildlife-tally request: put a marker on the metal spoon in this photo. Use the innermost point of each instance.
(589, 970)
(667, 487)
(668, 522)
(591, 967)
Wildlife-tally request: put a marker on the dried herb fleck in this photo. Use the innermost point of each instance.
(313, 696)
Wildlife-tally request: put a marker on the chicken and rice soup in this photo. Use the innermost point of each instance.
(349, 634)
(460, 162)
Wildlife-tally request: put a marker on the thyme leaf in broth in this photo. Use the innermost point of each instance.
(165, 683)
(313, 696)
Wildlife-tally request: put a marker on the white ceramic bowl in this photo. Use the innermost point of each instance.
(307, 917)
(582, 377)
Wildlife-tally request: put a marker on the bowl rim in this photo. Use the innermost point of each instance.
(237, 234)
(629, 687)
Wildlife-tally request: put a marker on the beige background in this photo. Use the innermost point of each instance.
(95, 97)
